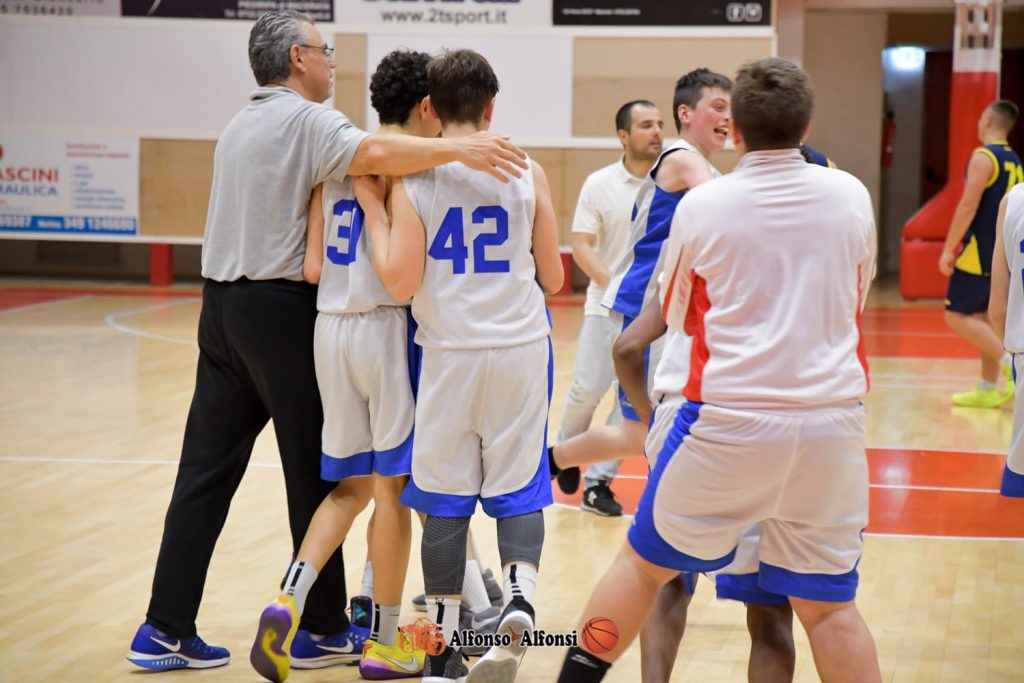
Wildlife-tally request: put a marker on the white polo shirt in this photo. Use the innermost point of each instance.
(604, 209)
(768, 269)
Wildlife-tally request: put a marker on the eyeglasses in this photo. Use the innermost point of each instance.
(328, 51)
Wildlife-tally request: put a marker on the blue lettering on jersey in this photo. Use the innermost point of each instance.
(449, 243)
(349, 232)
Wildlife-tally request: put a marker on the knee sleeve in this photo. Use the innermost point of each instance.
(443, 554)
(521, 538)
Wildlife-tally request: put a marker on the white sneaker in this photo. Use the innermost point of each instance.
(501, 664)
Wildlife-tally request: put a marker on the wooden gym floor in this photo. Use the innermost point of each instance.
(96, 384)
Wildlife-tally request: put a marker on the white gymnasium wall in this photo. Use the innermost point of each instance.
(534, 73)
(150, 78)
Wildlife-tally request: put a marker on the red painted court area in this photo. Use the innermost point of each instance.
(918, 492)
(912, 332)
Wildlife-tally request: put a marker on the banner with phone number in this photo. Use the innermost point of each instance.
(70, 185)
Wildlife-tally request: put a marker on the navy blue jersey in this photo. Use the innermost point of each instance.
(980, 238)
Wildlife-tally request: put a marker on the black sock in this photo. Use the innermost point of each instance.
(555, 469)
(582, 667)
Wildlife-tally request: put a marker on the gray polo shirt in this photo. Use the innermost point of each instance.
(267, 162)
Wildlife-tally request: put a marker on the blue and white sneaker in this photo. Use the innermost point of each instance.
(317, 652)
(152, 649)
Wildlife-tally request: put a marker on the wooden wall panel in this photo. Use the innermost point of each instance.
(611, 71)
(351, 88)
(174, 186)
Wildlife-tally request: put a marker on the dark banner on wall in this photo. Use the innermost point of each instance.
(661, 13)
(317, 10)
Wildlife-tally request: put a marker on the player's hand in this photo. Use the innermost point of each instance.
(491, 153)
(371, 191)
(946, 262)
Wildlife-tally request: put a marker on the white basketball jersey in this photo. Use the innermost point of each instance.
(348, 283)
(480, 280)
(674, 367)
(634, 277)
(1013, 245)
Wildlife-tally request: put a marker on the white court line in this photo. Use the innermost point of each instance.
(41, 304)
(904, 333)
(111, 461)
(271, 465)
(903, 487)
(274, 465)
(940, 449)
(111, 320)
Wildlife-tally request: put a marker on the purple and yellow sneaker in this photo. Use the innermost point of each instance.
(278, 624)
(388, 662)
(153, 649)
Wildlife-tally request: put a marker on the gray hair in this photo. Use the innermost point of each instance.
(270, 44)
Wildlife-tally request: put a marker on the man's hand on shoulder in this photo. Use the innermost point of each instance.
(490, 153)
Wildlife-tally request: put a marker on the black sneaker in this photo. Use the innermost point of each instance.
(361, 609)
(600, 500)
(445, 667)
(569, 480)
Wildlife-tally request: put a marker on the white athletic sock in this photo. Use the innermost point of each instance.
(520, 581)
(474, 592)
(385, 623)
(445, 613)
(473, 551)
(367, 586)
(298, 582)
(1007, 359)
(985, 385)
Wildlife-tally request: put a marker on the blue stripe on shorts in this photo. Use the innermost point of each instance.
(744, 588)
(643, 534)
(820, 587)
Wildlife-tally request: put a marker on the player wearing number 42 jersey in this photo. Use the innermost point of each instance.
(477, 258)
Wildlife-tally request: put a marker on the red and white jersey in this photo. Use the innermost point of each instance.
(768, 269)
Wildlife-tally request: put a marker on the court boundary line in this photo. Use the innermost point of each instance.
(630, 477)
(877, 534)
(112, 321)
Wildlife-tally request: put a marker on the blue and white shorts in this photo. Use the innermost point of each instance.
(366, 366)
(801, 473)
(482, 435)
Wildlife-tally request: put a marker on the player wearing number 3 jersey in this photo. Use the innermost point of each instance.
(477, 258)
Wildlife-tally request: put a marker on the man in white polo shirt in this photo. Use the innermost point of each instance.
(600, 236)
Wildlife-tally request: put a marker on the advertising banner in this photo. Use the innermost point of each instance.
(732, 13)
(60, 8)
(445, 14)
(317, 10)
(73, 185)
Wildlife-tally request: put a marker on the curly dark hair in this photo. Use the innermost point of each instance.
(398, 85)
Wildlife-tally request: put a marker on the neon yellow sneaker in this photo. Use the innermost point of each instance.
(1008, 386)
(979, 398)
(386, 662)
(278, 624)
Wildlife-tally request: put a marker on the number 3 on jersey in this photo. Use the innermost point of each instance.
(450, 241)
(347, 225)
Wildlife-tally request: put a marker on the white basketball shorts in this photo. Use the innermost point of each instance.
(802, 473)
(482, 431)
(366, 365)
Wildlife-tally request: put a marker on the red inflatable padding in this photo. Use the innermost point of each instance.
(919, 270)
